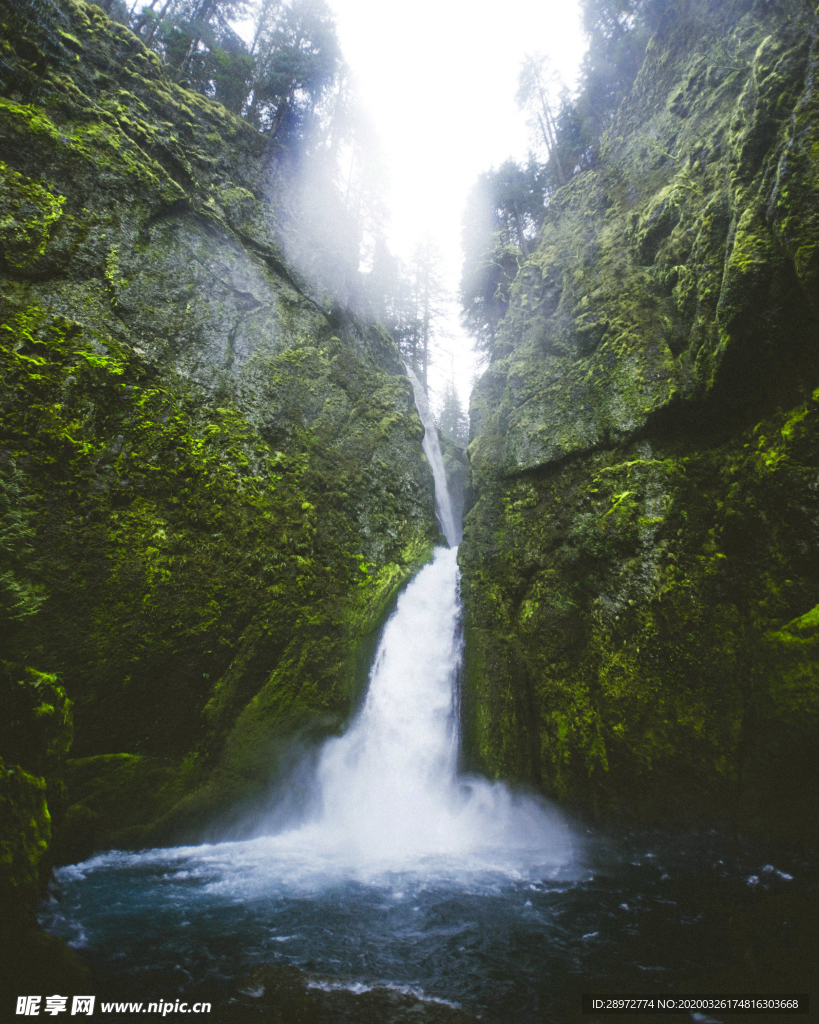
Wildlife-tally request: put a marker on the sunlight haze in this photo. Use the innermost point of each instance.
(439, 81)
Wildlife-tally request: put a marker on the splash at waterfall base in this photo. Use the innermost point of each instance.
(383, 813)
(387, 818)
(272, 927)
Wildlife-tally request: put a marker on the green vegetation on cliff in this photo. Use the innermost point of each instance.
(211, 483)
(642, 552)
(35, 735)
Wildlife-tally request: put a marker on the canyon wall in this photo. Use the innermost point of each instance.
(641, 553)
(211, 477)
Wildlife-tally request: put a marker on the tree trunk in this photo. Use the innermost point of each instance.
(134, 7)
(158, 21)
(281, 110)
(261, 25)
(561, 174)
(549, 131)
(180, 71)
(201, 13)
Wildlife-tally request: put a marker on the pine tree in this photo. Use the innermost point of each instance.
(537, 84)
(451, 420)
(428, 296)
(503, 215)
(618, 32)
(297, 59)
(275, 82)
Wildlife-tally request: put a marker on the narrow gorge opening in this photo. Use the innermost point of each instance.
(323, 700)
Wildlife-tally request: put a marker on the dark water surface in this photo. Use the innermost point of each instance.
(645, 912)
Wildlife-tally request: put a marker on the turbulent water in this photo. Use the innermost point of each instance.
(401, 873)
(388, 794)
(645, 913)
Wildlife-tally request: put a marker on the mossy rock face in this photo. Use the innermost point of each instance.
(35, 733)
(24, 847)
(456, 467)
(223, 480)
(642, 550)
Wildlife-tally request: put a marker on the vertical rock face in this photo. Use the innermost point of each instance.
(641, 558)
(455, 464)
(35, 735)
(221, 484)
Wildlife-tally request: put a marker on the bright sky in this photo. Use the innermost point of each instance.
(438, 78)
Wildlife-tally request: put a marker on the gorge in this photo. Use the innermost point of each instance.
(285, 749)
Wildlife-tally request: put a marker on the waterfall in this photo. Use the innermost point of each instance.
(432, 449)
(403, 880)
(379, 867)
(387, 792)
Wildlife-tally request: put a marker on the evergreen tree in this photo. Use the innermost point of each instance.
(390, 298)
(333, 212)
(199, 45)
(297, 58)
(428, 297)
(537, 84)
(451, 420)
(506, 206)
(503, 215)
(275, 82)
(409, 300)
(618, 32)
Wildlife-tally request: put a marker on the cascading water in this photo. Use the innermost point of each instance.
(403, 876)
(432, 449)
(388, 797)
(388, 791)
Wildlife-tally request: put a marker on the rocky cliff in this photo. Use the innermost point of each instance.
(212, 481)
(641, 557)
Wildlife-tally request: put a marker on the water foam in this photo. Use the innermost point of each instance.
(389, 794)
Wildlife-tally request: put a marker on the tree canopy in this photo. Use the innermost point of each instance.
(275, 81)
(506, 205)
(452, 421)
(503, 214)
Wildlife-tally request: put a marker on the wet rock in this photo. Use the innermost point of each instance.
(223, 476)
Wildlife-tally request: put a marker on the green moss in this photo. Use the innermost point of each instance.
(26, 833)
(638, 556)
(627, 603)
(224, 490)
(37, 726)
(808, 621)
(116, 797)
(27, 213)
(35, 734)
